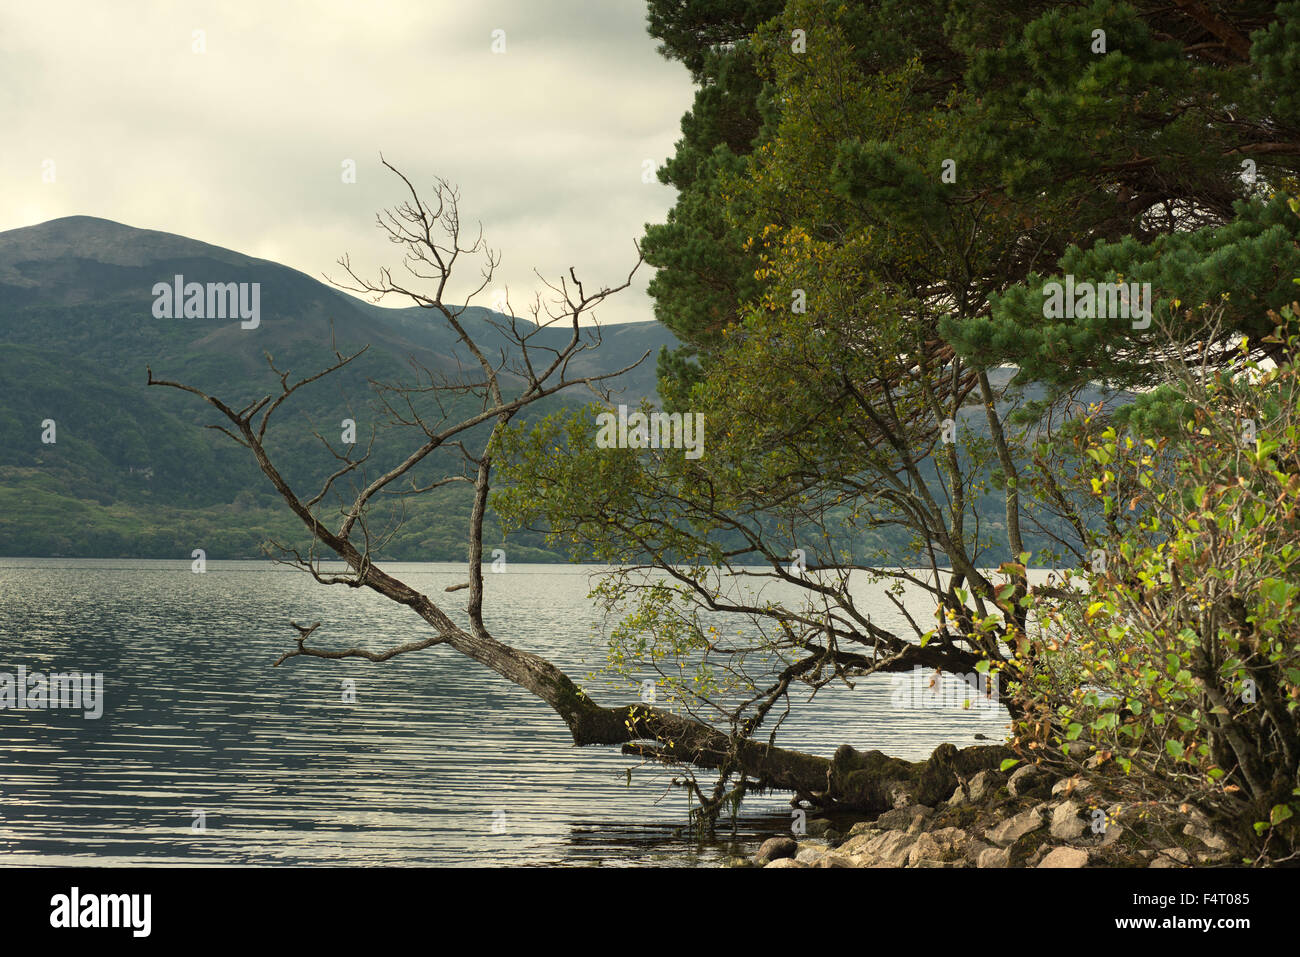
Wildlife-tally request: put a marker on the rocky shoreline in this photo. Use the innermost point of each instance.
(1027, 818)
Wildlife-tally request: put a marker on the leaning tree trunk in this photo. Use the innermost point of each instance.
(851, 779)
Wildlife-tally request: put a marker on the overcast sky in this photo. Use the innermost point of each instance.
(242, 146)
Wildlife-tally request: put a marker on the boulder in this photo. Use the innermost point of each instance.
(889, 849)
(945, 844)
(1206, 836)
(785, 862)
(859, 843)
(1014, 828)
(833, 859)
(810, 853)
(817, 827)
(1030, 780)
(902, 817)
(1067, 824)
(775, 848)
(1065, 857)
(974, 849)
(985, 784)
(995, 857)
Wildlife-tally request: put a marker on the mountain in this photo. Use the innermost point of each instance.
(131, 472)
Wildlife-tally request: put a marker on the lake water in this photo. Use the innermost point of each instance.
(437, 762)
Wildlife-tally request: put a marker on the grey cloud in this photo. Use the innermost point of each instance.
(242, 146)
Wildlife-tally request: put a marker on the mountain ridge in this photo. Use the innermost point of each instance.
(77, 331)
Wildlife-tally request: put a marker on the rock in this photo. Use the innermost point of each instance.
(1171, 857)
(1214, 842)
(1065, 857)
(902, 817)
(958, 797)
(1066, 822)
(917, 824)
(864, 827)
(945, 844)
(834, 859)
(1014, 828)
(1029, 781)
(817, 827)
(1068, 786)
(859, 843)
(995, 857)
(1034, 857)
(889, 849)
(984, 784)
(775, 848)
(810, 853)
(833, 837)
(1112, 834)
(974, 848)
(785, 862)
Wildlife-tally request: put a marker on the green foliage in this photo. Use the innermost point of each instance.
(1183, 664)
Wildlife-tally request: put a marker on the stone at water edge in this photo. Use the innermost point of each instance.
(785, 862)
(902, 817)
(817, 827)
(775, 848)
(810, 853)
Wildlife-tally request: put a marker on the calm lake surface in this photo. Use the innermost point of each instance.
(437, 762)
